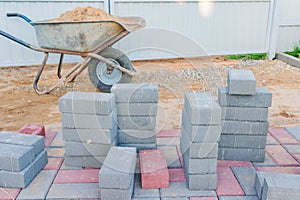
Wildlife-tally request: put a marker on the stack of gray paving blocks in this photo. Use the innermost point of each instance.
(244, 118)
(201, 130)
(273, 186)
(137, 109)
(22, 157)
(89, 127)
(117, 174)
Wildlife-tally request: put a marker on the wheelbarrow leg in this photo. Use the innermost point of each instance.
(38, 76)
(59, 65)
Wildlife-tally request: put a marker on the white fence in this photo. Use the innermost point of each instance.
(182, 27)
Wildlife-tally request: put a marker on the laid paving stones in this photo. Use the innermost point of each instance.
(282, 136)
(227, 183)
(295, 132)
(268, 162)
(139, 192)
(238, 198)
(246, 178)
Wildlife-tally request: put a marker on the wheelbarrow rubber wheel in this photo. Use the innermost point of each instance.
(99, 75)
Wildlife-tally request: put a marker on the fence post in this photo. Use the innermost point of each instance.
(111, 6)
(273, 28)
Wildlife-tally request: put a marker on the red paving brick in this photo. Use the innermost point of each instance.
(50, 135)
(283, 170)
(154, 171)
(33, 130)
(177, 175)
(9, 193)
(54, 163)
(282, 136)
(280, 155)
(168, 133)
(77, 176)
(203, 198)
(227, 184)
(232, 163)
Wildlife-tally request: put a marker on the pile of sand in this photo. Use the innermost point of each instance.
(84, 14)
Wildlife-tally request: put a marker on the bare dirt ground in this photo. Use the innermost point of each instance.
(21, 105)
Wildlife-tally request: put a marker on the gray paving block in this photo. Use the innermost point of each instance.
(180, 189)
(87, 103)
(246, 178)
(67, 167)
(39, 187)
(88, 121)
(171, 155)
(202, 133)
(58, 141)
(282, 186)
(294, 149)
(23, 178)
(136, 122)
(114, 175)
(56, 152)
(198, 150)
(98, 136)
(202, 181)
(74, 191)
(135, 93)
(242, 154)
(137, 109)
(201, 109)
(84, 161)
(200, 166)
(174, 141)
(295, 132)
(136, 136)
(117, 194)
(238, 198)
(146, 198)
(259, 181)
(139, 147)
(245, 128)
(170, 198)
(271, 140)
(15, 157)
(243, 141)
(87, 149)
(143, 193)
(262, 98)
(245, 114)
(268, 162)
(241, 82)
(35, 141)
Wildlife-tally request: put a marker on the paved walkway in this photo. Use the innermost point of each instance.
(235, 178)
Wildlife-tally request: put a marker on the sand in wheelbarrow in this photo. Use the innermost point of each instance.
(88, 13)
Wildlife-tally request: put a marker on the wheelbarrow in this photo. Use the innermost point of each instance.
(89, 39)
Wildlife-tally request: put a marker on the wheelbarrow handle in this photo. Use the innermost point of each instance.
(21, 16)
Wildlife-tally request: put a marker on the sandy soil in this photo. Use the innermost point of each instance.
(21, 105)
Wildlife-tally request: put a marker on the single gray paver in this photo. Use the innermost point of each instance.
(268, 162)
(114, 175)
(67, 167)
(202, 181)
(295, 132)
(201, 109)
(35, 141)
(262, 98)
(140, 146)
(136, 136)
(137, 109)
(88, 121)
(58, 140)
(39, 187)
(87, 103)
(238, 198)
(171, 155)
(15, 157)
(245, 114)
(117, 194)
(87, 149)
(143, 193)
(245, 128)
(200, 166)
(199, 150)
(241, 82)
(74, 191)
(23, 178)
(180, 189)
(259, 181)
(136, 122)
(202, 133)
(242, 154)
(135, 93)
(246, 178)
(84, 161)
(281, 186)
(98, 136)
(294, 149)
(243, 141)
